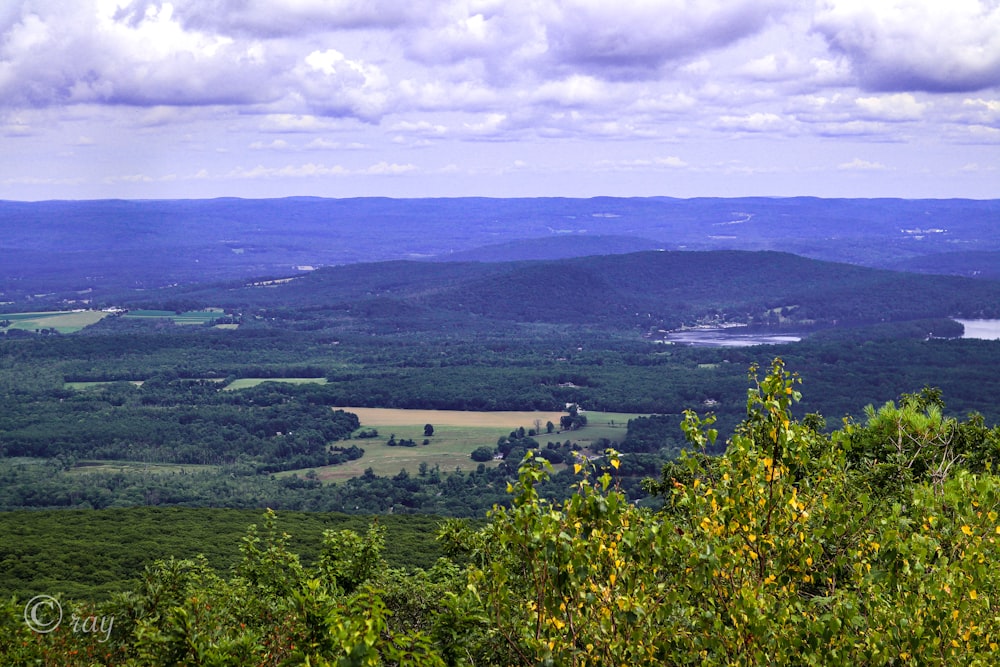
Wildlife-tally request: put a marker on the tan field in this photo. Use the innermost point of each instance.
(397, 417)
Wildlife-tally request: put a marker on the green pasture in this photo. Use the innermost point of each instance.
(82, 386)
(455, 437)
(63, 321)
(244, 383)
(190, 317)
(87, 467)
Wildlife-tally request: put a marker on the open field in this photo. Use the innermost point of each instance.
(85, 467)
(456, 434)
(190, 317)
(65, 321)
(379, 417)
(244, 383)
(80, 386)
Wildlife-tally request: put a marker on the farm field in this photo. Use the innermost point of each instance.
(245, 383)
(82, 386)
(63, 321)
(456, 434)
(84, 467)
(189, 317)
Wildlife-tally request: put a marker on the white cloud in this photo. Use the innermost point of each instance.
(317, 170)
(775, 67)
(857, 164)
(422, 128)
(576, 90)
(276, 145)
(242, 81)
(916, 45)
(277, 18)
(643, 164)
(321, 144)
(70, 53)
(754, 122)
(634, 40)
(338, 86)
(898, 107)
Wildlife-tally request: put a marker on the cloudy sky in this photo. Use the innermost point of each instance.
(411, 98)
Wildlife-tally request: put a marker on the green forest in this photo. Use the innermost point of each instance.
(871, 544)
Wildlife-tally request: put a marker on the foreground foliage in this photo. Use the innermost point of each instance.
(872, 545)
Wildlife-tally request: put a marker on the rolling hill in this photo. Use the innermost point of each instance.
(647, 289)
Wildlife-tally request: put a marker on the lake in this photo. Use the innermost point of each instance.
(981, 329)
(729, 337)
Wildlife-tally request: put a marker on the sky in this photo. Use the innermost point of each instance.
(501, 98)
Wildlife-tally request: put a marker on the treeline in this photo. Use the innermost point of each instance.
(427, 490)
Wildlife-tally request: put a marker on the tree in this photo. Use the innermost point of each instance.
(482, 454)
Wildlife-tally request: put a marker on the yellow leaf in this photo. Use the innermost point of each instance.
(615, 463)
(967, 530)
(577, 468)
(972, 594)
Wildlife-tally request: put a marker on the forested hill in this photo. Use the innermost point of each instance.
(646, 289)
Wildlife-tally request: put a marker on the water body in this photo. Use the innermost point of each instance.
(729, 337)
(981, 329)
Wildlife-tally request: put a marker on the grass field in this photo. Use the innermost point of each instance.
(86, 467)
(456, 434)
(65, 321)
(190, 317)
(244, 383)
(80, 386)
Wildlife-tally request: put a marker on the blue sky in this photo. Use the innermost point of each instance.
(340, 98)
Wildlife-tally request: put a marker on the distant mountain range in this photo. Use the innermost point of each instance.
(95, 249)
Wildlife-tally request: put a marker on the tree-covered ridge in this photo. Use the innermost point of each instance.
(871, 545)
(648, 290)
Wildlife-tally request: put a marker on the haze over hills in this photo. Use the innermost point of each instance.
(85, 249)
